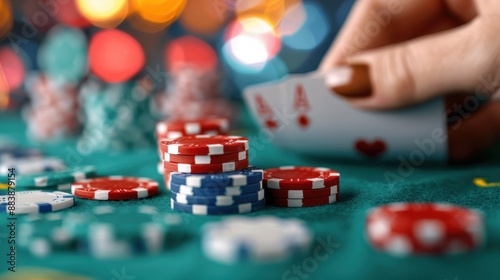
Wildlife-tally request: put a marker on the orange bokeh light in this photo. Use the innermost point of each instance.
(271, 11)
(205, 16)
(159, 11)
(6, 20)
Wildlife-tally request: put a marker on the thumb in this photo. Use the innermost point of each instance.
(418, 70)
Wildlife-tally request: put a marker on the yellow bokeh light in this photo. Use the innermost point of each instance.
(270, 10)
(6, 20)
(104, 13)
(159, 11)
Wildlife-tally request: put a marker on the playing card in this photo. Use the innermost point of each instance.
(324, 124)
(264, 102)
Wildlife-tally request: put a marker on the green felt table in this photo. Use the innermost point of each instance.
(363, 185)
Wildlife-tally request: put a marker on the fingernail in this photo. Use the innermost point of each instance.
(349, 80)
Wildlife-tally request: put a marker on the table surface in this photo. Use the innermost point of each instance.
(363, 185)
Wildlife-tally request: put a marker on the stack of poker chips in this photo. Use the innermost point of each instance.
(168, 129)
(292, 186)
(210, 175)
(193, 93)
(117, 116)
(404, 229)
(53, 112)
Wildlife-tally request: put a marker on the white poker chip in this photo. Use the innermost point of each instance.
(35, 202)
(31, 165)
(261, 238)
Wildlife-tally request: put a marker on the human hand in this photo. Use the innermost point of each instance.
(396, 53)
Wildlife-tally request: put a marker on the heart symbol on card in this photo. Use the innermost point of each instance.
(303, 121)
(271, 124)
(370, 149)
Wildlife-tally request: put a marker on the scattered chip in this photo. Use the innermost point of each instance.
(264, 238)
(115, 188)
(37, 202)
(31, 165)
(55, 178)
(300, 178)
(424, 228)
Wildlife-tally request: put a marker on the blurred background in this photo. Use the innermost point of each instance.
(108, 68)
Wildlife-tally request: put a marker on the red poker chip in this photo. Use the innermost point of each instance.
(114, 188)
(301, 194)
(178, 128)
(424, 228)
(205, 145)
(206, 168)
(300, 178)
(306, 202)
(205, 159)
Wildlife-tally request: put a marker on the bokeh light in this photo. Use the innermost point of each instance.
(70, 15)
(293, 20)
(115, 56)
(63, 54)
(205, 16)
(11, 70)
(312, 32)
(251, 42)
(106, 14)
(271, 11)
(6, 20)
(159, 11)
(190, 50)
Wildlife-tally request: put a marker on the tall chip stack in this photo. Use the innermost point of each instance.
(174, 129)
(193, 88)
(210, 175)
(117, 116)
(54, 108)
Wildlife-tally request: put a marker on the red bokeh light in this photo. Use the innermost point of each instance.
(115, 56)
(192, 51)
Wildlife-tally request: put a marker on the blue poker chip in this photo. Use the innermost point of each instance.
(36, 202)
(219, 200)
(214, 191)
(10, 153)
(31, 165)
(198, 209)
(224, 179)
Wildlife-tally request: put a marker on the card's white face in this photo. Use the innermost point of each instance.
(318, 122)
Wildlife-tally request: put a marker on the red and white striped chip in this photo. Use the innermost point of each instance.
(205, 159)
(205, 145)
(306, 202)
(178, 128)
(206, 168)
(424, 228)
(300, 194)
(115, 188)
(300, 178)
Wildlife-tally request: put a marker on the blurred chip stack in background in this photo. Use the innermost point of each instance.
(193, 89)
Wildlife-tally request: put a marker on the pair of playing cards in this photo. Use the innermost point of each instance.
(301, 114)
